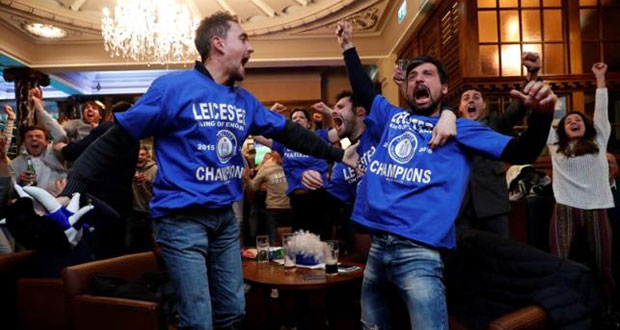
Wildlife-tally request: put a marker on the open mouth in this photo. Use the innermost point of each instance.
(471, 109)
(245, 60)
(422, 94)
(574, 127)
(34, 148)
(338, 122)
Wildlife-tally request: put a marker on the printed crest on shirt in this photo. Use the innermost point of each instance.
(402, 148)
(225, 146)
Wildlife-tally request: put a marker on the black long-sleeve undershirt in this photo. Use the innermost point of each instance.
(113, 145)
(361, 85)
(297, 138)
(73, 150)
(525, 148)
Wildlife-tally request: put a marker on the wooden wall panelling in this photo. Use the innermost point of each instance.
(468, 37)
(574, 37)
(449, 42)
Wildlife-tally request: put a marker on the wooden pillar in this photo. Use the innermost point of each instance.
(468, 39)
(574, 50)
(25, 79)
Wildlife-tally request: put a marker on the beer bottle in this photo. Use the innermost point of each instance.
(31, 170)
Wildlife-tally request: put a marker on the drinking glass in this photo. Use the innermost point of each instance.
(288, 243)
(262, 247)
(330, 256)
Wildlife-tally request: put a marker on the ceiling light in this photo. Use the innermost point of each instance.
(45, 30)
(159, 32)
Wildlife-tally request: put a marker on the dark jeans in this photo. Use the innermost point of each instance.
(415, 271)
(202, 255)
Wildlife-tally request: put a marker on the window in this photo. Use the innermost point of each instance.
(507, 28)
(600, 33)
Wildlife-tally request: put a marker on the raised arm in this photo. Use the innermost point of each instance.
(513, 114)
(360, 81)
(527, 147)
(601, 104)
(263, 140)
(73, 150)
(9, 127)
(326, 111)
(297, 138)
(53, 127)
(516, 110)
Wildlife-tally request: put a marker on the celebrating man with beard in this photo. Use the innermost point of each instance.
(199, 119)
(410, 195)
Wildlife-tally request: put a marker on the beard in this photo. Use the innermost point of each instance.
(234, 77)
(425, 110)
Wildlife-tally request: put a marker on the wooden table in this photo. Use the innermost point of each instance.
(298, 290)
(273, 275)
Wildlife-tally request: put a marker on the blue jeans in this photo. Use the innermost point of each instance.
(415, 272)
(202, 256)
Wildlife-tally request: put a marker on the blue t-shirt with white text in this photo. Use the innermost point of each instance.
(198, 127)
(344, 180)
(412, 190)
(295, 164)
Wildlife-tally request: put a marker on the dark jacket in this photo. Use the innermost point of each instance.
(487, 190)
(114, 185)
(487, 277)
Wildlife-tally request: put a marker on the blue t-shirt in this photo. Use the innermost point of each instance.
(199, 127)
(295, 164)
(344, 181)
(412, 190)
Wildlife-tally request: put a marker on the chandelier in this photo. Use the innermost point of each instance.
(157, 31)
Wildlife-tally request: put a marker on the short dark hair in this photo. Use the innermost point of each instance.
(121, 106)
(34, 128)
(218, 25)
(356, 103)
(467, 88)
(94, 105)
(443, 75)
(306, 113)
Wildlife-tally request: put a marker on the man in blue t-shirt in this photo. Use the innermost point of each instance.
(199, 120)
(348, 116)
(410, 194)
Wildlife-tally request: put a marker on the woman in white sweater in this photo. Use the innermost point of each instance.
(578, 150)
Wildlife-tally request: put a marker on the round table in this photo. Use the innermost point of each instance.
(298, 290)
(273, 275)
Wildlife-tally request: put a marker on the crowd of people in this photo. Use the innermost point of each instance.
(397, 197)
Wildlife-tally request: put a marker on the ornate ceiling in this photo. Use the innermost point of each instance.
(82, 18)
(284, 33)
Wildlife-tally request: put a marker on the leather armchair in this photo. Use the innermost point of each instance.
(95, 312)
(531, 317)
(42, 304)
(12, 267)
(30, 303)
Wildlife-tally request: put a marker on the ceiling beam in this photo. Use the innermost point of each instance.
(264, 7)
(302, 2)
(226, 6)
(76, 5)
